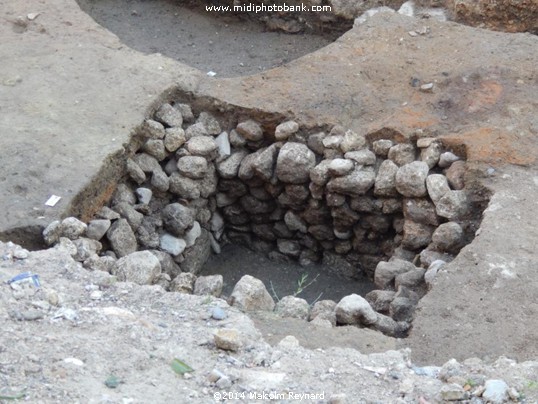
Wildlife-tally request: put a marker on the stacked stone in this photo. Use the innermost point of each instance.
(333, 196)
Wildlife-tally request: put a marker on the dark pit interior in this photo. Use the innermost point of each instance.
(318, 213)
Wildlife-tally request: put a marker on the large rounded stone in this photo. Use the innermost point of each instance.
(122, 238)
(358, 182)
(192, 166)
(294, 307)
(385, 182)
(141, 267)
(448, 236)
(411, 179)
(437, 186)
(201, 145)
(453, 205)
(250, 130)
(177, 218)
(250, 294)
(385, 272)
(355, 309)
(294, 163)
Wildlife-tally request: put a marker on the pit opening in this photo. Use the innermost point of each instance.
(228, 44)
(320, 213)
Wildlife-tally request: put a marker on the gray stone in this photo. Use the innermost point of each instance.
(250, 130)
(289, 247)
(197, 255)
(446, 159)
(172, 245)
(295, 222)
(420, 211)
(183, 283)
(183, 186)
(385, 181)
(285, 130)
(141, 267)
(194, 167)
(144, 195)
(210, 122)
(169, 115)
(339, 167)
(416, 235)
(352, 141)
(448, 237)
(294, 307)
(121, 237)
(86, 248)
(432, 271)
(332, 141)
(428, 256)
(223, 144)
(134, 218)
(358, 182)
(195, 130)
(425, 142)
(160, 181)
(72, 228)
(411, 179)
(174, 139)
(100, 263)
(209, 285)
(324, 310)
(455, 174)
(363, 157)
(152, 129)
(319, 174)
(201, 145)
(97, 228)
(186, 112)
(354, 309)
(192, 234)
(246, 168)
(177, 218)
(106, 213)
(315, 142)
(411, 279)
(217, 225)
(250, 294)
(381, 147)
(218, 313)
(453, 205)
(168, 266)
(263, 163)
(135, 172)
(430, 155)
(386, 272)
(380, 299)
(155, 148)
(229, 168)
(236, 139)
(437, 186)
(496, 391)
(294, 163)
(147, 163)
(452, 392)
(388, 326)
(402, 154)
(402, 309)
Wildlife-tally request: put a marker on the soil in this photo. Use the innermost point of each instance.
(282, 278)
(225, 45)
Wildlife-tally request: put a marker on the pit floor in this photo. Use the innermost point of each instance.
(281, 278)
(215, 42)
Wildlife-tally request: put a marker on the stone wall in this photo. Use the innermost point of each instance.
(392, 207)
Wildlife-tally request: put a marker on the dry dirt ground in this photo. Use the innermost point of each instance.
(71, 96)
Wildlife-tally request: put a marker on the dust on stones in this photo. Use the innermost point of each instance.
(388, 211)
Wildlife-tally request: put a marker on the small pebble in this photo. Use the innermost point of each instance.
(218, 314)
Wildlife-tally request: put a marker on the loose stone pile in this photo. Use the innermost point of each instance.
(362, 205)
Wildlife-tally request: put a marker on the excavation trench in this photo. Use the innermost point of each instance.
(322, 213)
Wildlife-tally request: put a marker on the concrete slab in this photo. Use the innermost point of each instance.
(72, 94)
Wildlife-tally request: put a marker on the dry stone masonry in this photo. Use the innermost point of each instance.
(361, 204)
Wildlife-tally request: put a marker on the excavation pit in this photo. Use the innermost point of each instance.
(328, 215)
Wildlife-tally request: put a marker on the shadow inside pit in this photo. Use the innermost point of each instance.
(210, 42)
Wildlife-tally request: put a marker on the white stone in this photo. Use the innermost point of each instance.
(223, 144)
(172, 245)
(193, 234)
